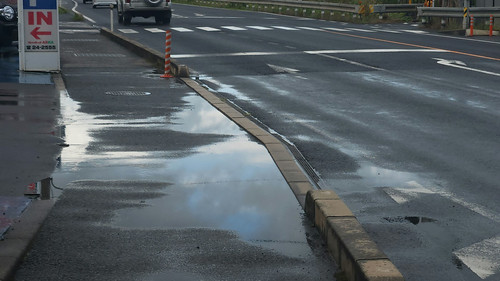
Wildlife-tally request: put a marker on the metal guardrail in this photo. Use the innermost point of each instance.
(478, 12)
(395, 8)
(302, 4)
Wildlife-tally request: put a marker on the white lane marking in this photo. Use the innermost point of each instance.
(207, 28)
(259, 27)
(243, 54)
(318, 52)
(387, 30)
(415, 31)
(235, 28)
(351, 62)
(285, 28)
(483, 258)
(361, 30)
(128, 31)
(373, 51)
(84, 16)
(217, 17)
(336, 29)
(282, 69)
(462, 65)
(181, 29)
(310, 28)
(403, 195)
(155, 30)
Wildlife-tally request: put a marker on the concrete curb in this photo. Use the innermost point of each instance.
(20, 237)
(157, 58)
(351, 247)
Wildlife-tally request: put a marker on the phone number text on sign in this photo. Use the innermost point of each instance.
(41, 46)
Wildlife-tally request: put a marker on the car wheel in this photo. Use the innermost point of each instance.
(153, 3)
(120, 18)
(127, 18)
(166, 19)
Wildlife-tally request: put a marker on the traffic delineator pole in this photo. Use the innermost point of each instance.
(471, 25)
(491, 25)
(168, 42)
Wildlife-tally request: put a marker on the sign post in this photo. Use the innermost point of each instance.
(38, 35)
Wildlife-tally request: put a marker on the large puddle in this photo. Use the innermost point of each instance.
(230, 185)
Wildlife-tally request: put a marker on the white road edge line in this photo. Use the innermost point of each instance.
(84, 16)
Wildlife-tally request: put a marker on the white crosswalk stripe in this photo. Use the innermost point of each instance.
(285, 28)
(276, 27)
(235, 28)
(128, 31)
(259, 27)
(181, 29)
(359, 29)
(336, 29)
(310, 28)
(154, 30)
(207, 28)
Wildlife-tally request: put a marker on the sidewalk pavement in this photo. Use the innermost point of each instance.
(158, 185)
(29, 147)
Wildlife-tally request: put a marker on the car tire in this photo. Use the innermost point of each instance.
(120, 19)
(166, 19)
(127, 18)
(153, 3)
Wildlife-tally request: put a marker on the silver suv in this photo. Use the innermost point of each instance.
(159, 9)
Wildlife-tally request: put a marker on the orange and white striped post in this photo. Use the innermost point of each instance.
(471, 25)
(491, 25)
(168, 42)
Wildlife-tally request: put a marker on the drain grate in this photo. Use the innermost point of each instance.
(127, 93)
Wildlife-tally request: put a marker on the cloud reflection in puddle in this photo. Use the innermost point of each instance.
(229, 185)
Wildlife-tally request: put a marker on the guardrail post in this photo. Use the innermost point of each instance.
(491, 25)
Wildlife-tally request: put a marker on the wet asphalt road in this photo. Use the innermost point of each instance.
(406, 131)
(158, 185)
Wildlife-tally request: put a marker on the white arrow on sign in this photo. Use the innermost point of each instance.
(281, 69)
(462, 65)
